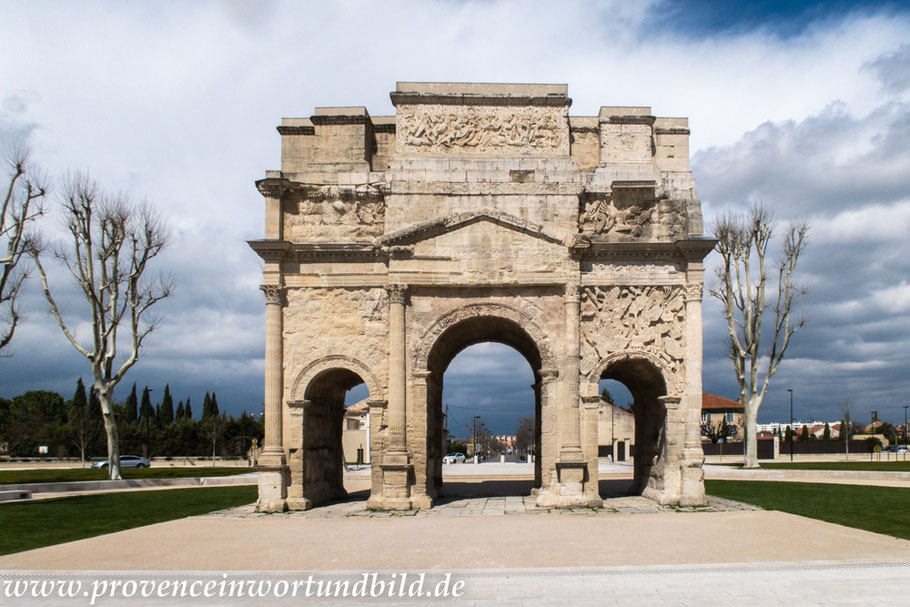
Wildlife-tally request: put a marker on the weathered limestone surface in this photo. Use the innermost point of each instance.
(480, 212)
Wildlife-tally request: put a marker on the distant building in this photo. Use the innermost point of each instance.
(355, 433)
(715, 409)
(615, 431)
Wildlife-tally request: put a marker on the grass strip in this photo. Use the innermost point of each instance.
(61, 475)
(28, 525)
(876, 509)
(899, 466)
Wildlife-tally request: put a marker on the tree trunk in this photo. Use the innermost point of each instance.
(113, 437)
(750, 417)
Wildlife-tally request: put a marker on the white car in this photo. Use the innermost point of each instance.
(453, 458)
(126, 461)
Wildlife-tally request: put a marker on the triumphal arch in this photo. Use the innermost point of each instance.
(480, 212)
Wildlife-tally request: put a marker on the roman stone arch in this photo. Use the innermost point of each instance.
(315, 414)
(335, 361)
(444, 339)
(485, 212)
(672, 382)
(430, 337)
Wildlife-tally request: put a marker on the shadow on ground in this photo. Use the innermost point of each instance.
(465, 490)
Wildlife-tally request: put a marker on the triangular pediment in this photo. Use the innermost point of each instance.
(444, 225)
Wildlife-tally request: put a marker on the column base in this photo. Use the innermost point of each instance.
(273, 483)
(299, 503)
(693, 478)
(396, 485)
(569, 491)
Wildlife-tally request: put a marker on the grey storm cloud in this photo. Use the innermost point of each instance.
(850, 177)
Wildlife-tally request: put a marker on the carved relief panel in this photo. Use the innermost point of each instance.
(649, 319)
(337, 211)
(482, 130)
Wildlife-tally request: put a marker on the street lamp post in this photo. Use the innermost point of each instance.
(872, 431)
(474, 439)
(612, 433)
(790, 390)
(905, 425)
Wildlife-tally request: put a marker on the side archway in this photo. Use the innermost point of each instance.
(652, 387)
(316, 454)
(335, 361)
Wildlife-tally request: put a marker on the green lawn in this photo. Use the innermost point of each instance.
(28, 525)
(878, 509)
(55, 475)
(900, 466)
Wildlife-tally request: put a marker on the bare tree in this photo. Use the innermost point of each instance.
(718, 431)
(23, 202)
(743, 241)
(524, 436)
(110, 244)
(846, 409)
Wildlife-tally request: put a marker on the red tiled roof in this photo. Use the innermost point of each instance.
(711, 402)
(357, 409)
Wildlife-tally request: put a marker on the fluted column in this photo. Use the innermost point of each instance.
(692, 490)
(397, 372)
(570, 429)
(397, 471)
(274, 297)
(273, 471)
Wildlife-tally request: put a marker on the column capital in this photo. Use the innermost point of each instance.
(274, 294)
(572, 293)
(548, 375)
(398, 293)
(694, 291)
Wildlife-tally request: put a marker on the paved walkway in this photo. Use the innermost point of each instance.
(490, 506)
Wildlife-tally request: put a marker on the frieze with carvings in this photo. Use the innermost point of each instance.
(608, 213)
(356, 211)
(633, 273)
(482, 129)
(628, 318)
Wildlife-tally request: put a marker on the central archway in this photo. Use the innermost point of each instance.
(445, 340)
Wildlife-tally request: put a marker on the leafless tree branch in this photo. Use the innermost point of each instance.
(111, 242)
(23, 203)
(743, 242)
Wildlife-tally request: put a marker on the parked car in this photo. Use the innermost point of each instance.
(126, 461)
(453, 458)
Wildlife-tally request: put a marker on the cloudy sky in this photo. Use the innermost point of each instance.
(804, 108)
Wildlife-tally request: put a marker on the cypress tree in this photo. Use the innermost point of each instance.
(166, 413)
(827, 433)
(79, 399)
(179, 414)
(94, 405)
(146, 411)
(188, 412)
(206, 406)
(805, 434)
(214, 404)
(132, 406)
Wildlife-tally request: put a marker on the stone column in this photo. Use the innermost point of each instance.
(296, 493)
(397, 374)
(589, 446)
(273, 480)
(546, 438)
(570, 426)
(571, 467)
(693, 485)
(396, 465)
